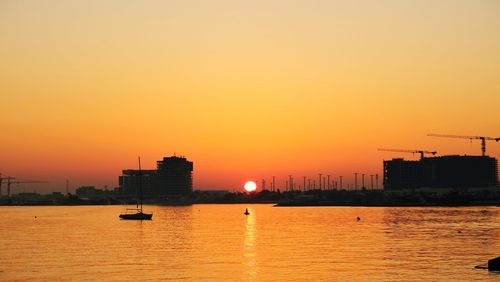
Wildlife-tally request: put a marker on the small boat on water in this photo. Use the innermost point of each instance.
(246, 212)
(137, 214)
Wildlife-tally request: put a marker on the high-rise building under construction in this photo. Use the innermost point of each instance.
(173, 176)
(441, 172)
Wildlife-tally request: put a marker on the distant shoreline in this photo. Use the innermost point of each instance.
(274, 204)
(311, 198)
(388, 205)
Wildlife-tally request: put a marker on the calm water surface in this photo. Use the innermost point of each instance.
(218, 242)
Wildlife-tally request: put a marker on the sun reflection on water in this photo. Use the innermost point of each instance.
(250, 255)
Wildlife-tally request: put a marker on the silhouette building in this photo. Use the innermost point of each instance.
(401, 174)
(90, 192)
(129, 181)
(441, 172)
(173, 177)
(460, 171)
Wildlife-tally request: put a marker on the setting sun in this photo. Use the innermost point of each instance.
(129, 127)
(250, 186)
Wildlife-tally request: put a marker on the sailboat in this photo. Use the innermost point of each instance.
(137, 214)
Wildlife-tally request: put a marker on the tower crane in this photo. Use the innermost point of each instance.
(421, 152)
(482, 138)
(10, 182)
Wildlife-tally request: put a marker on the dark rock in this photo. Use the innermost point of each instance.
(494, 264)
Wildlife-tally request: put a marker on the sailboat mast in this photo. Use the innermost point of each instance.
(140, 181)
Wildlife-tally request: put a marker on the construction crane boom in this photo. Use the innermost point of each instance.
(482, 138)
(10, 182)
(421, 152)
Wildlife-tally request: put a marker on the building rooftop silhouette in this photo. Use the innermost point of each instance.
(173, 176)
(441, 172)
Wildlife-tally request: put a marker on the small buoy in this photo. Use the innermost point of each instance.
(459, 231)
(35, 216)
(358, 218)
(246, 212)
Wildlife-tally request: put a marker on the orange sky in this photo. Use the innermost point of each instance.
(244, 89)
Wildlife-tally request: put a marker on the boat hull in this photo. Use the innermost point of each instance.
(136, 216)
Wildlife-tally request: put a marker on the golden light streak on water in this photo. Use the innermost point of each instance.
(250, 252)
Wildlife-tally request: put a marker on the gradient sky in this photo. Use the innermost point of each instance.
(244, 89)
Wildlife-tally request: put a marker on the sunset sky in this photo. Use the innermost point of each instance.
(244, 89)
